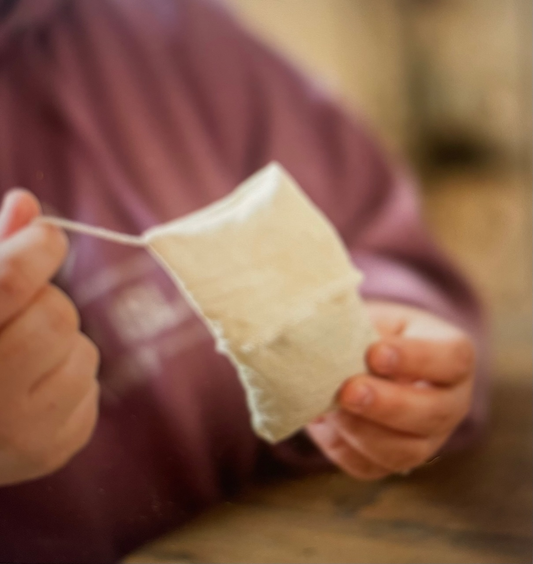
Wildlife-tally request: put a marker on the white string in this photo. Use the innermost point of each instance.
(93, 231)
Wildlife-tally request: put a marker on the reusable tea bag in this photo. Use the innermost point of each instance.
(271, 279)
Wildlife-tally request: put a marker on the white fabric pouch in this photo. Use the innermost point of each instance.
(271, 279)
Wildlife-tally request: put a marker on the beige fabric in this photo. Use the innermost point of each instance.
(270, 277)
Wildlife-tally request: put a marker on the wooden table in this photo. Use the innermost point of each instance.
(469, 508)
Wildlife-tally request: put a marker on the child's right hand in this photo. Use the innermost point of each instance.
(48, 386)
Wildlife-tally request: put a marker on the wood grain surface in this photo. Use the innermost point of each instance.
(468, 508)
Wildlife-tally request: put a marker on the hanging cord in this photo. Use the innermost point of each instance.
(99, 232)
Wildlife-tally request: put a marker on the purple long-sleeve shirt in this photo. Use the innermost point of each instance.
(128, 113)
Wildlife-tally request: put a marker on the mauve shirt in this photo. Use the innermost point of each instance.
(129, 113)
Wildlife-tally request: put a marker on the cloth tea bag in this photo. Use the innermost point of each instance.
(271, 279)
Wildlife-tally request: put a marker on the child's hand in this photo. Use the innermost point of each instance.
(398, 418)
(48, 388)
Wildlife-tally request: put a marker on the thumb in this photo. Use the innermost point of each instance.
(18, 209)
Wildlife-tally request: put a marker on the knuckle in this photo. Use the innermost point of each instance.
(62, 315)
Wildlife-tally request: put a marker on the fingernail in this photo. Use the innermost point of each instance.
(359, 397)
(385, 359)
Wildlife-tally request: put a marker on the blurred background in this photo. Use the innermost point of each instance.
(446, 84)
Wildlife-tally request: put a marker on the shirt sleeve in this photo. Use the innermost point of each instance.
(271, 112)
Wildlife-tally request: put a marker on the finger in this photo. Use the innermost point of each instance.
(39, 339)
(71, 437)
(28, 260)
(77, 431)
(413, 409)
(392, 450)
(18, 209)
(440, 362)
(56, 395)
(334, 447)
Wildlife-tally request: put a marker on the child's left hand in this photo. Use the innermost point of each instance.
(399, 417)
